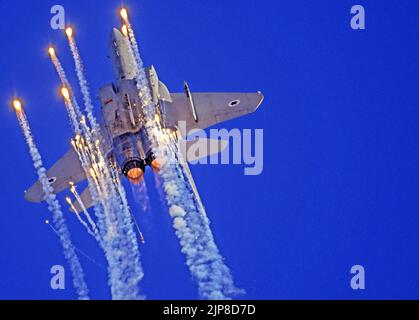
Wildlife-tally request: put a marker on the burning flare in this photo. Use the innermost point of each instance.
(51, 51)
(124, 30)
(124, 13)
(65, 93)
(155, 165)
(69, 32)
(17, 105)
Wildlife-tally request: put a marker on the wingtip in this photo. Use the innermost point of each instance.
(30, 198)
(261, 98)
(34, 193)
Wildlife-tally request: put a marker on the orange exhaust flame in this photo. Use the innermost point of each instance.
(135, 175)
(155, 165)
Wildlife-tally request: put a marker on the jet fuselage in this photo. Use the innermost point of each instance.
(122, 116)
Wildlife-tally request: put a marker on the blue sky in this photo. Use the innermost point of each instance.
(340, 183)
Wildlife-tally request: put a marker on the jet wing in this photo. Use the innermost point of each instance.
(67, 169)
(208, 109)
(199, 148)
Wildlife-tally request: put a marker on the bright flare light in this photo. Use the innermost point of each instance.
(124, 30)
(69, 32)
(17, 105)
(92, 172)
(124, 13)
(65, 93)
(51, 51)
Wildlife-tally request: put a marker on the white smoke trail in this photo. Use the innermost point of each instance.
(90, 220)
(189, 218)
(90, 229)
(111, 242)
(123, 265)
(115, 223)
(55, 208)
(72, 105)
(93, 188)
(84, 156)
(86, 213)
(84, 224)
(83, 84)
(193, 230)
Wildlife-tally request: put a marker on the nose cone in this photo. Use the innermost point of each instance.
(116, 35)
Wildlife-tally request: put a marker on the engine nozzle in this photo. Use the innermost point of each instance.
(153, 163)
(134, 170)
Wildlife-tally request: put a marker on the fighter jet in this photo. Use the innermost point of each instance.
(122, 122)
